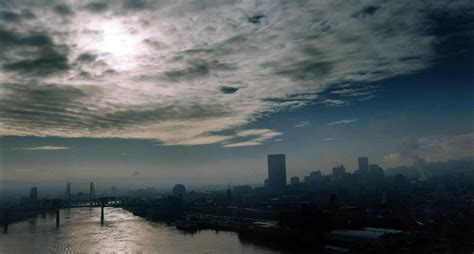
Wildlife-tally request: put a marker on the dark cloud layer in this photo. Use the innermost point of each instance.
(178, 70)
(367, 11)
(228, 89)
(63, 10)
(42, 56)
(86, 57)
(197, 69)
(46, 106)
(255, 19)
(11, 38)
(96, 7)
(48, 61)
(6, 16)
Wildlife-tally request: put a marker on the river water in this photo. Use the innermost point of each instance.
(80, 232)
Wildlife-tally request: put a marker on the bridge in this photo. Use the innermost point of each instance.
(58, 204)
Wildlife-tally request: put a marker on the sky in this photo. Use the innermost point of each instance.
(199, 92)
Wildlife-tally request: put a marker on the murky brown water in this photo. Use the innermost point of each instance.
(80, 232)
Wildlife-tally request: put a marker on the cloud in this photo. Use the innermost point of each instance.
(334, 102)
(432, 149)
(345, 121)
(255, 19)
(228, 89)
(63, 10)
(204, 67)
(392, 159)
(197, 69)
(301, 124)
(330, 139)
(204, 140)
(7, 16)
(43, 148)
(46, 62)
(367, 11)
(96, 7)
(259, 134)
(444, 147)
(252, 132)
(136, 5)
(258, 137)
(243, 144)
(25, 170)
(44, 56)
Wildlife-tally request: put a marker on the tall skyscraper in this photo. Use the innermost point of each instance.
(276, 172)
(179, 190)
(339, 173)
(376, 174)
(363, 167)
(67, 194)
(91, 191)
(34, 193)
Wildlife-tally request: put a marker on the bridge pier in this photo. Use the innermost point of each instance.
(5, 223)
(102, 214)
(57, 217)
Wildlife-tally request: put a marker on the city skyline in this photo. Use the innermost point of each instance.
(160, 92)
(236, 126)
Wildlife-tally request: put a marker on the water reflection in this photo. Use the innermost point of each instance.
(80, 231)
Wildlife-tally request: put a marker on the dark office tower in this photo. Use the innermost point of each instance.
(67, 194)
(229, 195)
(276, 172)
(34, 193)
(294, 180)
(179, 190)
(339, 173)
(91, 191)
(376, 174)
(363, 167)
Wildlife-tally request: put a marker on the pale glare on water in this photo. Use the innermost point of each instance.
(80, 232)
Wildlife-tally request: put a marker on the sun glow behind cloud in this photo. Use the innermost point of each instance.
(114, 42)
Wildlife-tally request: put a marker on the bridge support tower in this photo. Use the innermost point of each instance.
(102, 214)
(5, 222)
(57, 217)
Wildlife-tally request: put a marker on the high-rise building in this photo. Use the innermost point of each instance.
(229, 195)
(338, 173)
(33, 193)
(294, 180)
(67, 194)
(179, 190)
(376, 174)
(363, 167)
(276, 172)
(313, 177)
(91, 191)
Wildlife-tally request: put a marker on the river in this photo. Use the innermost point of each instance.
(80, 232)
